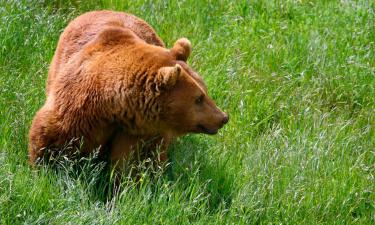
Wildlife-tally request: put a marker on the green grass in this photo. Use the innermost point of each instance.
(296, 77)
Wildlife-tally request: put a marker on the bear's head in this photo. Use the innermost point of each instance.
(187, 105)
(183, 104)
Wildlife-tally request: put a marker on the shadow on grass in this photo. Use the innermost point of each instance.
(90, 172)
(190, 166)
(191, 162)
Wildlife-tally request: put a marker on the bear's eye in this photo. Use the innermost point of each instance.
(199, 100)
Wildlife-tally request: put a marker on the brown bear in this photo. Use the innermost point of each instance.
(113, 85)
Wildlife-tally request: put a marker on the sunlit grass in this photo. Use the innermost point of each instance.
(296, 77)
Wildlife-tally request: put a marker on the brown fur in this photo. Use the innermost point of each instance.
(84, 28)
(114, 84)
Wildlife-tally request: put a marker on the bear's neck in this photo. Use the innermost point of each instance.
(136, 103)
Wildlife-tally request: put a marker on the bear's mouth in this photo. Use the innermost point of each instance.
(206, 130)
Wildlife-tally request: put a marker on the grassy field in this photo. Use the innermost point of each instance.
(296, 77)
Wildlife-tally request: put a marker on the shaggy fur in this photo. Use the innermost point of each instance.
(113, 84)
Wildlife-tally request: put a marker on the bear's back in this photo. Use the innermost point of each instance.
(86, 27)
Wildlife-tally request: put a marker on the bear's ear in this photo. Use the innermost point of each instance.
(115, 35)
(181, 49)
(167, 76)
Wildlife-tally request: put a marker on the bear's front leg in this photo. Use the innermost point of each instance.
(125, 147)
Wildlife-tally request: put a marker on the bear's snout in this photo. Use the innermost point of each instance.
(214, 128)
(225, 119)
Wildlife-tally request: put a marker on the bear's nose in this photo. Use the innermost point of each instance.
(225, 119)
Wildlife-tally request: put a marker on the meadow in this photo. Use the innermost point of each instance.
(296, 77)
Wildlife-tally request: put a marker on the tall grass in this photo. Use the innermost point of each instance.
(296, 77)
